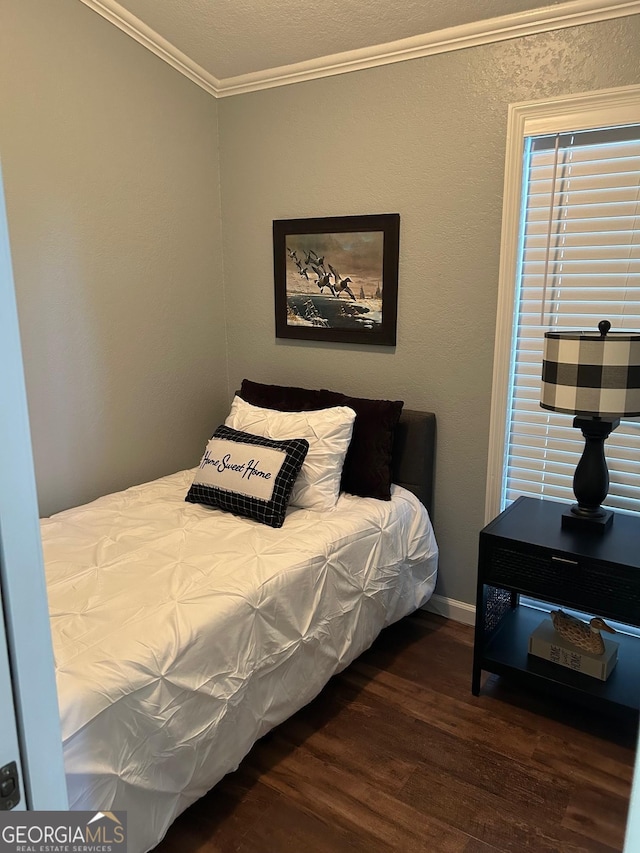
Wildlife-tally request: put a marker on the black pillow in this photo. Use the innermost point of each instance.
(367, 470)
(248, 475)
(284, 398)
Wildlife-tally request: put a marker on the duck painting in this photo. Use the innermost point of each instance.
(584, 635)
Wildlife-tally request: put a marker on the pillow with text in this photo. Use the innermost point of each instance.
(248, 475)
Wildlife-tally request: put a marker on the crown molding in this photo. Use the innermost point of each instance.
(571, 14)
(144, 35)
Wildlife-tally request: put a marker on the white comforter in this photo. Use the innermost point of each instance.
(182, 634)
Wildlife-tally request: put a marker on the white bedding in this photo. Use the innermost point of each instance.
(182, 634)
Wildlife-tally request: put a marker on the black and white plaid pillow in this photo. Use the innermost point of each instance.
(248, 475)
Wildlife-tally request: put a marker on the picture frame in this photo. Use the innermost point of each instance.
(336, 278)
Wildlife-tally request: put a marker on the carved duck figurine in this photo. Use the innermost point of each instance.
(584, 635)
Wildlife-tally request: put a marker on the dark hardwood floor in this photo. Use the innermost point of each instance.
(396, 754)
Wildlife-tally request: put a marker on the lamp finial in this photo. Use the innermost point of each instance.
(604, 326)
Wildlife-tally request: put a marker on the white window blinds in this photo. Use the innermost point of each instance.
(579, 264)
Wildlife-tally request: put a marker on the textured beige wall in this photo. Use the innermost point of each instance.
(111, 176)
(425, 139)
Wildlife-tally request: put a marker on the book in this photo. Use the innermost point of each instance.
(546, 643)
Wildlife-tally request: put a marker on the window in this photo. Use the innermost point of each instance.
(570, 257)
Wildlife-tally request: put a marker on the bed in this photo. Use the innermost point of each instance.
(183, 633)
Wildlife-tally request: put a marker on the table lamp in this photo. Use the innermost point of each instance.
(595, 376)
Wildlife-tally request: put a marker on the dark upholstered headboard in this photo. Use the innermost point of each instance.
(414, 454)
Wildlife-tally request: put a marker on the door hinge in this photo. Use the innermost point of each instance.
(9, 786)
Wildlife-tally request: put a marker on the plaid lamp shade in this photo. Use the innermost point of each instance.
(587, 373)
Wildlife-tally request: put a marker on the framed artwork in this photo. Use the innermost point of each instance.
(336, 278)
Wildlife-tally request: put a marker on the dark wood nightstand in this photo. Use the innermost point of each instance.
(525, 551)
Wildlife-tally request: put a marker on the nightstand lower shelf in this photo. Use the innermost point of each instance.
(505, 653)
(526, 552)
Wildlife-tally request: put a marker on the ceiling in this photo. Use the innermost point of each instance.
(230, 38)
(230, 46)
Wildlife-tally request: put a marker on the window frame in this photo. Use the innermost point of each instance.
(605, 107)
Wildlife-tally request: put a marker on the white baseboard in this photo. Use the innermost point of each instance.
(459, 611)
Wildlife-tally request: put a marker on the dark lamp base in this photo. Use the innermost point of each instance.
(580, 521)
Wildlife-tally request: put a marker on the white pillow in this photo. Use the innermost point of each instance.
(328, 432)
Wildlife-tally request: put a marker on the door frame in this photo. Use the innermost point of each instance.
(22, 580)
